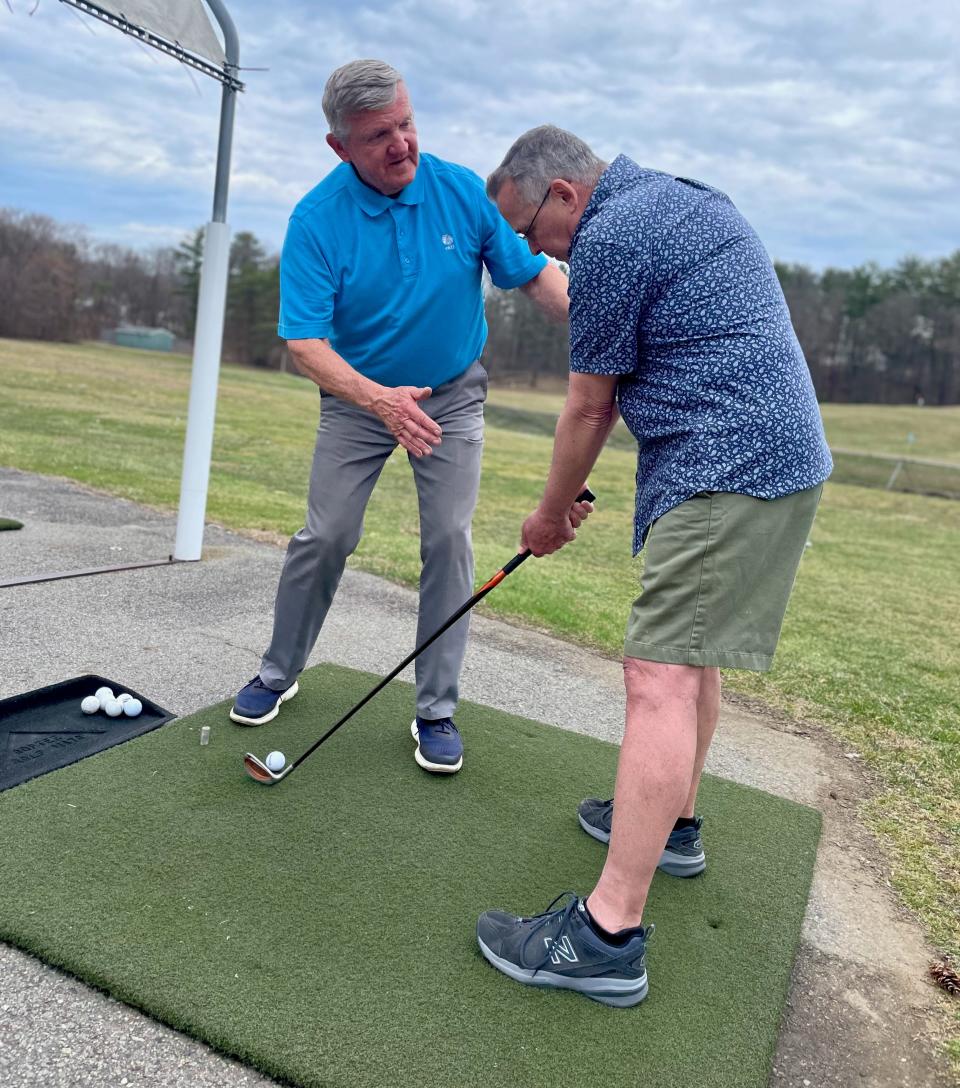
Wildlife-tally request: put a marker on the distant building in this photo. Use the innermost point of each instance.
(140, 336)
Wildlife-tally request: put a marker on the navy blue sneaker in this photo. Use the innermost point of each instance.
(439, 747)
(256, 704)
(682, 856)
(560, 949)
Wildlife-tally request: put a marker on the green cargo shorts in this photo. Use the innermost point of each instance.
(717, 576)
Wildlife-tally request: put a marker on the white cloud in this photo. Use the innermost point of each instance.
(833, 125)
(150, 234)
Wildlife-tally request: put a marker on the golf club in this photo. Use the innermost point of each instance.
(260, 772)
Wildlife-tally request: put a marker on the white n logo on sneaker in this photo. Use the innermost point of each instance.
(561, 950)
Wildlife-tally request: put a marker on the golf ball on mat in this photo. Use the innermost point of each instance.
(103, 694)
(90, 705)
(125, 697)
(112, 708)
(131, 707)
(276, 761)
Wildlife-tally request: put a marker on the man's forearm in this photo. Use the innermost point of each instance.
(549, 291)
(396, 406)
(332, 373)
(580, 436)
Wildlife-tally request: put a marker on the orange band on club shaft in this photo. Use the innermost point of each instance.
(494, 581)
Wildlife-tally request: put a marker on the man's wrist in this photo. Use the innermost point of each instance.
(369, 395)
(549, 511)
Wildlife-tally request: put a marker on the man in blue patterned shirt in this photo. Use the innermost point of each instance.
(677, 318)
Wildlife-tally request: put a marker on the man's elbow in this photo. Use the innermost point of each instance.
(306, 345)
(598, 415)
(548, 290)
(306, 354)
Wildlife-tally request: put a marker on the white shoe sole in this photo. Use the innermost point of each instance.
(433, 768)
(268, 717)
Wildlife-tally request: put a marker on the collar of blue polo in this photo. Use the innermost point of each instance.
(373, 202)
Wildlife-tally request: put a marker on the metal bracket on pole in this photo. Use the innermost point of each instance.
(172, 49)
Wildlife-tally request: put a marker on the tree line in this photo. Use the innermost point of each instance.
(870, 334)
(58, 284)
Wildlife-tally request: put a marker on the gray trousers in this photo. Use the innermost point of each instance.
(352, 448)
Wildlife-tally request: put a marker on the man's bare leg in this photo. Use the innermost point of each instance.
(655, 771)
(708, 714)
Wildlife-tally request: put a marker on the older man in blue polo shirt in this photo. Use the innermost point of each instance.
(676, 315)
(381, 305)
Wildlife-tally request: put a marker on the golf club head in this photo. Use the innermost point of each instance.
(260, 772)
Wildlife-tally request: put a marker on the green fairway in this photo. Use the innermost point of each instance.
(871, 644)
(323, 929)
(900, 429)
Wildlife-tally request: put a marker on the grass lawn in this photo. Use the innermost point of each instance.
(886, 428)
(872, 428)
(871, 646)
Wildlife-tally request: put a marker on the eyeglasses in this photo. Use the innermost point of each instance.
(525, 234)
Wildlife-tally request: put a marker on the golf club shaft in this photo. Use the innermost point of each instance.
(585, 496)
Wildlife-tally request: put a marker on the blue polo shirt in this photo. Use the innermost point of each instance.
(394, 282)
(671, 290)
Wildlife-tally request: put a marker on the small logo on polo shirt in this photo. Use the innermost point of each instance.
(447, 240)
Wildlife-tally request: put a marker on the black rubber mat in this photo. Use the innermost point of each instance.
(44, 730)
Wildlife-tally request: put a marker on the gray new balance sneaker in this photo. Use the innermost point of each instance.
(682, 856)
(560, 949)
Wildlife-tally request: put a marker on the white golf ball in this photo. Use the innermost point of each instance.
(125, 697)
(103, 694)
(112, 708)
(276, 761)
(132, 707)
(90, 705)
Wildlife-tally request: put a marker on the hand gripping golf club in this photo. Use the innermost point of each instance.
(260, 772)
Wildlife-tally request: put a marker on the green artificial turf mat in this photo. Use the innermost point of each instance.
(323, 929)
(10, 523)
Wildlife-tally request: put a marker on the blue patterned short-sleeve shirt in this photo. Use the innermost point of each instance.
(672, 290)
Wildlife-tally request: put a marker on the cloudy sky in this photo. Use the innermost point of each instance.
(833, 124)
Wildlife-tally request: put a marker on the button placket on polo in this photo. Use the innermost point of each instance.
(404, 237)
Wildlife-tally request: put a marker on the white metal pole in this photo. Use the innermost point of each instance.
(208, 337)
(203, 392)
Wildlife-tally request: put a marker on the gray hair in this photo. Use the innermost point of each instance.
(541, 155)
(355, 88)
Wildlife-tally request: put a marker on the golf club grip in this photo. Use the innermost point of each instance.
(585, 496)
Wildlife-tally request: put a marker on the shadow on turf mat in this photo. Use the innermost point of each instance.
(45, 729)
